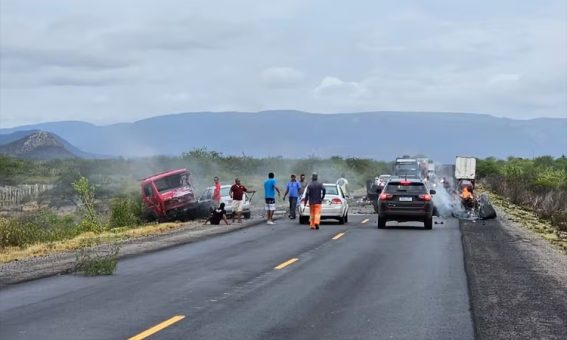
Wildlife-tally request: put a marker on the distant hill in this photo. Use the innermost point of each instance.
(38, 145)
(378, 135)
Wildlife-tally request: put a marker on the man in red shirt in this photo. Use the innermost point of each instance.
(216, 193)
(237, 193)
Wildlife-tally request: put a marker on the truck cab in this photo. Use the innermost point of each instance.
(168, 195)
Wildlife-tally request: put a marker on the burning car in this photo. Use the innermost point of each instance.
(169, 195)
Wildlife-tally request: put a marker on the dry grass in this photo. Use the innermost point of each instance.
(531, 221)
(118, 234)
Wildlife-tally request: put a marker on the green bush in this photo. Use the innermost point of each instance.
(550, 178)
(538, 184)
(42, 226)
(125, 212)
(86, 193)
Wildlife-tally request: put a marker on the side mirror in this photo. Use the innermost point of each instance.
(432, 192)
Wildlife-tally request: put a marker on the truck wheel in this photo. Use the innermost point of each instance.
(381, 222)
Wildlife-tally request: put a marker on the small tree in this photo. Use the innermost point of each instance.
(86, 193)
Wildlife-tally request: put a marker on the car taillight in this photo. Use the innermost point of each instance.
(425, 197)
(405, 182)
(336, 201)
(303, 201)
(386, 197)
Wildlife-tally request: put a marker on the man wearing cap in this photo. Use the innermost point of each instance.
(314, 195)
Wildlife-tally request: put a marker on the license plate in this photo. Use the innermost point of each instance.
(406, 199)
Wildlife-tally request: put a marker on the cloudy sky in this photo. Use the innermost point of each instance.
(111, 61)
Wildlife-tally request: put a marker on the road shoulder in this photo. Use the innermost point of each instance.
(62, 263)
(517, 281)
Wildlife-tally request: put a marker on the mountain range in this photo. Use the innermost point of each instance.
(296, 134)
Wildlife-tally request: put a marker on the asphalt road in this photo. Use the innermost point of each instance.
(397, 283)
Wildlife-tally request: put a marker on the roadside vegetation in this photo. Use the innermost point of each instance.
(99, 200)
(533, 188)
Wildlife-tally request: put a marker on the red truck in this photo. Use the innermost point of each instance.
(169, 195)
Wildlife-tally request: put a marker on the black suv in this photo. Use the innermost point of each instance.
(404, 200)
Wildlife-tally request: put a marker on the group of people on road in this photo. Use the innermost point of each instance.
(236, 192)
(314, 195)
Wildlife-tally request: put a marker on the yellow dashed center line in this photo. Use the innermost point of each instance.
(158, 328)
(286, 263)
(338, 236)
(365, 221)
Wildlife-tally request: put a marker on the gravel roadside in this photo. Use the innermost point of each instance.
(517, 281)
(62, 263)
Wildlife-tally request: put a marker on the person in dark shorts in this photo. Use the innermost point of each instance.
(217, 215)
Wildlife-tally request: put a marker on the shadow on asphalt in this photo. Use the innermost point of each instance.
(421, 228)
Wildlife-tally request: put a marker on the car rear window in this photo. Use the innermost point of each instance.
(331, 190)
(412, 188)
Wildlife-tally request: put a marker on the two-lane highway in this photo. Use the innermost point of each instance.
(266, 282)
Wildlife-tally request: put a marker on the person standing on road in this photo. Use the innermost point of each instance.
(314, 195)
(237, 194)
(303, 184)
(216, 192)
(270, 189)
(343, 184)
(293, 188)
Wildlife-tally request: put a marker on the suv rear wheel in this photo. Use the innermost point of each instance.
(428, 223)
(381, 222)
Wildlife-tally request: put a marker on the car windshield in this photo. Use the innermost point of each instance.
(406, 167)
(413, 188)
(172, 182)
